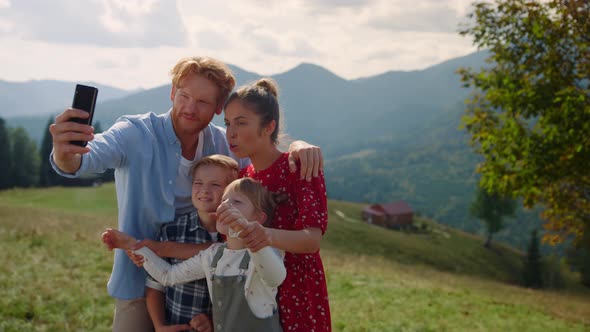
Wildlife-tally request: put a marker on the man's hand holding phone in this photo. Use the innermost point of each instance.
(72, 129)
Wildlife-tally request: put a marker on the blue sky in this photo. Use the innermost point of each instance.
(133, 43)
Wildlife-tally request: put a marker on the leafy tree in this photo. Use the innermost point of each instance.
(533, 267)
(47, 176)
(529, 116)
(5, 157)
(491, 208)
(579, 258)
(25, 168)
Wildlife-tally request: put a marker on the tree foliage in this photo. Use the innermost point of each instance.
(25, 156)
(529, 116)
(533, 266)
(47, 176)
(5, 157)
(492, 208)
(579, 258)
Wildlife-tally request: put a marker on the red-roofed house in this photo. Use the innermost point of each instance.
(390, 215)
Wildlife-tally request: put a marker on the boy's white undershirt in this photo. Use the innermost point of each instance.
(184, 180)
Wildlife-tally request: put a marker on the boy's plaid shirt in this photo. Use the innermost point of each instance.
(185, 300)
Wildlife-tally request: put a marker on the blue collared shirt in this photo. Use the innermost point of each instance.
(145, 153)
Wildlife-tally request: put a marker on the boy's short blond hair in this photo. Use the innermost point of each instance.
(212, 69)
(222, 161)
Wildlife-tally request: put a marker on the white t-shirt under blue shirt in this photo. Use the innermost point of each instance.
(184, 181)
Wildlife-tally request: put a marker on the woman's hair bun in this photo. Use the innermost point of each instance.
(269, 85)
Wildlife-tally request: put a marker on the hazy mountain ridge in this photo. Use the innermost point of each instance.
(34, 98)
(379, 106)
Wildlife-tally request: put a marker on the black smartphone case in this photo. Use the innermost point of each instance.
(84, 99)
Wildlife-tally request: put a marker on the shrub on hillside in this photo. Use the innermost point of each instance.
(533, 267)
(551, 275)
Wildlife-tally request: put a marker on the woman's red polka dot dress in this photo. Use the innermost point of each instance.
(303, 296)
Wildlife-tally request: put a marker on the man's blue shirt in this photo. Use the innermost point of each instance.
(145, 153)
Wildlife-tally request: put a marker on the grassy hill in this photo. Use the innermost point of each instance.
(54, 272)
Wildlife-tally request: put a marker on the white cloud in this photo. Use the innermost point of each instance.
(6, 26)
(133, 7)
(211, 39)
(134, 43)
(329, 4)
(128, 68)
(422, 16)
(101, 22)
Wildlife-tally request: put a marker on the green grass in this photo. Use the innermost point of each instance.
(54, 272)
(86, 200)
(441, 247)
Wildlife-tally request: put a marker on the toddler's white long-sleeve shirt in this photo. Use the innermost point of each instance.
(265, 273)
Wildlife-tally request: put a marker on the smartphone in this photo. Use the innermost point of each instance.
(85, 100)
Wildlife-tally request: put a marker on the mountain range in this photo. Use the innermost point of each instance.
(393, 136)
(44, 96)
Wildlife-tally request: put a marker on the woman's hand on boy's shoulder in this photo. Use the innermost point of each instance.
(310, 159)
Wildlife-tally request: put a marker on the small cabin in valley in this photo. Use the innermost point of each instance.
(395, 215)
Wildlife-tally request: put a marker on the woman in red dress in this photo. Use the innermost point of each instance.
(252, 121)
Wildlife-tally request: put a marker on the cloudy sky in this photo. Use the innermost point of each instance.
(133, 43)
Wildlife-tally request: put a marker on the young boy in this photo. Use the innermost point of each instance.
(183, 302)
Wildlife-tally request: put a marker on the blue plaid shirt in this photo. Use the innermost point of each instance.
(185, 300)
